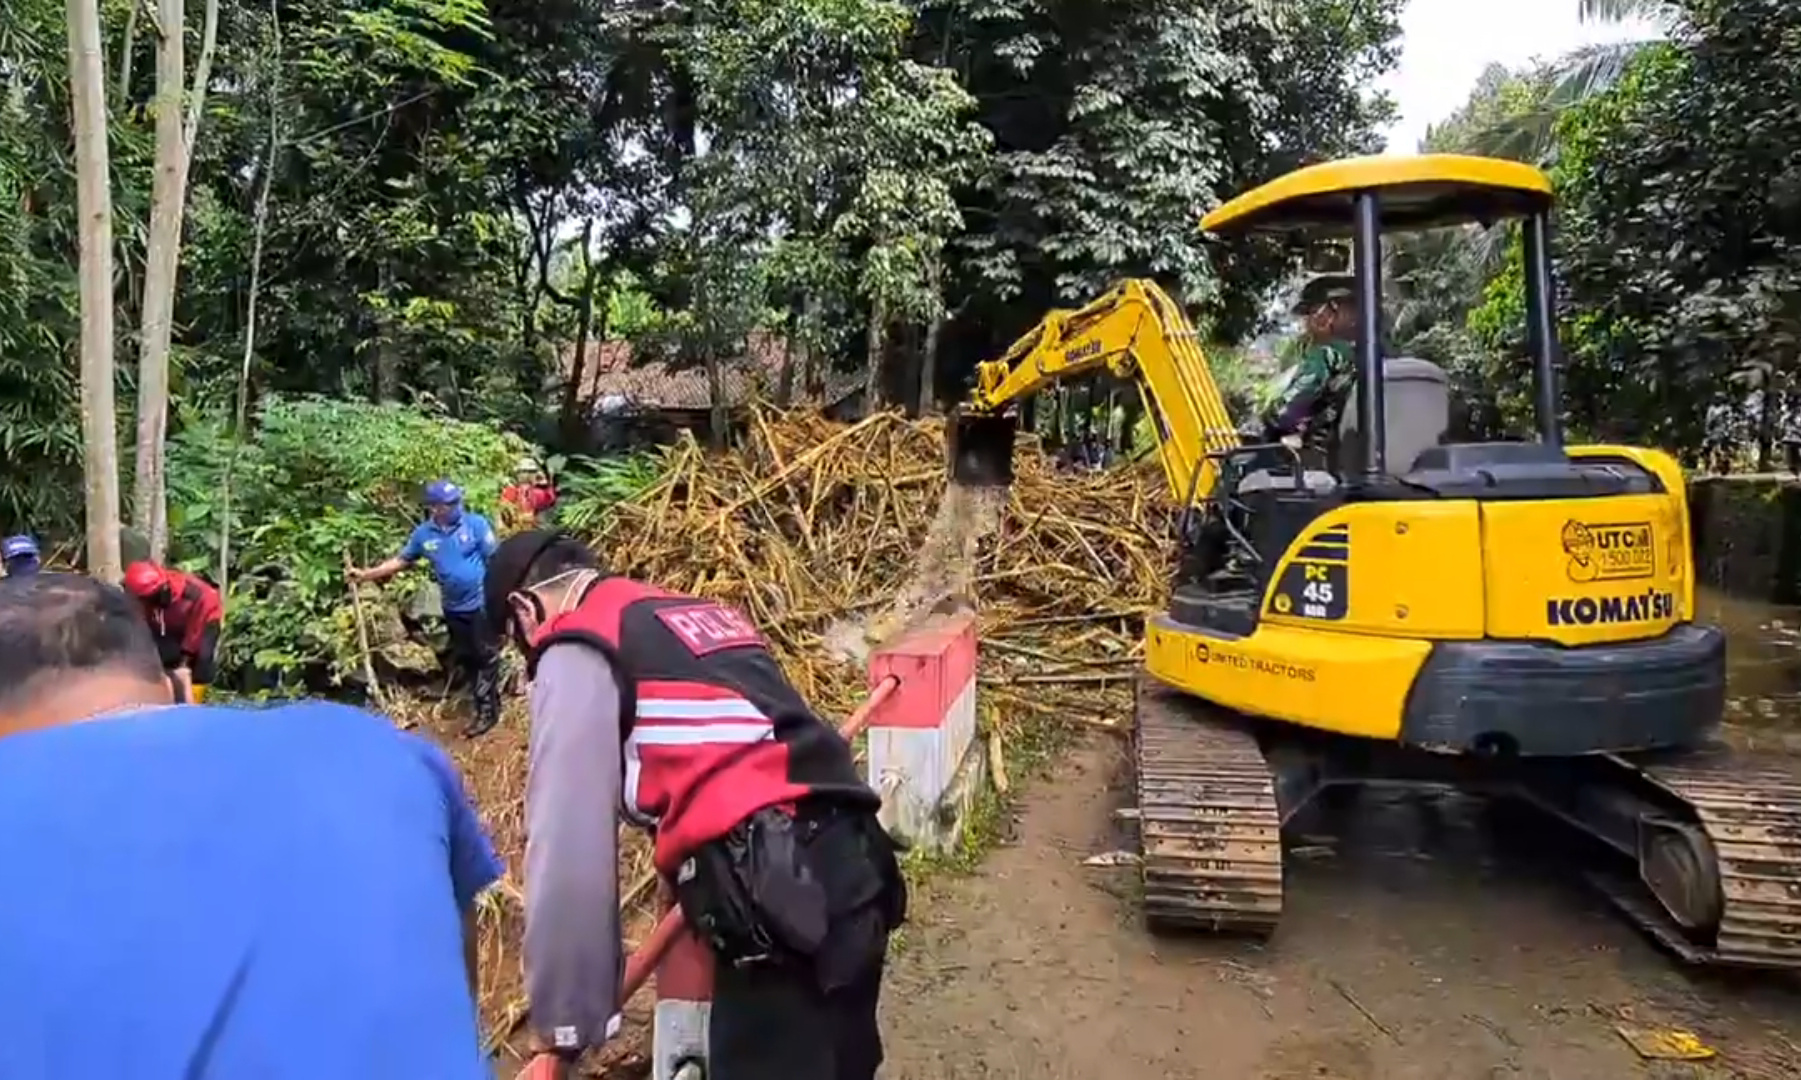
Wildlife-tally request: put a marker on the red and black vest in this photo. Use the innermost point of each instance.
(713, 730)
(180, 628)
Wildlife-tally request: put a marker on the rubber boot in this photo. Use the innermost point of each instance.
(486, 686)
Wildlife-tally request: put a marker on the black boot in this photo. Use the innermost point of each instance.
(486, 685)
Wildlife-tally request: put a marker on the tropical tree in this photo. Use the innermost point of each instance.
(1526, 130)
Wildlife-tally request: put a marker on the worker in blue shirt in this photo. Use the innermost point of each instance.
(20, 554)
(219, 893)
(457, 544)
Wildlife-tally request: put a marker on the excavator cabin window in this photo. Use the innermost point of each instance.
(1364, 198)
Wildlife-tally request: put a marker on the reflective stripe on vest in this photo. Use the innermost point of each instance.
(684, 714)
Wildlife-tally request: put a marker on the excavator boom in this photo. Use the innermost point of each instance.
(1135, 330)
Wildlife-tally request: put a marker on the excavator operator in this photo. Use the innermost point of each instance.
(1312, 397)
(184, 614)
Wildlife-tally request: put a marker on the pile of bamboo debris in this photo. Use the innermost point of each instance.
(831, 536)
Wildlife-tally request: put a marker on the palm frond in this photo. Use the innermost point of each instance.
(1529, 134)
(1619, 11)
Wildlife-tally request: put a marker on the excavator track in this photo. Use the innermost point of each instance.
(1749, 813)
(1208, 823)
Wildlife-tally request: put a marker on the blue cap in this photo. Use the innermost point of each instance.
(18, 547)
(443, 492)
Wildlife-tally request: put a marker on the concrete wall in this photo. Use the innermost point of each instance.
(1747, 535)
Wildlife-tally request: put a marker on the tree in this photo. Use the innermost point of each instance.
(1116, 126)
(914, 151)
(175, 135)
(1525, 128)
(871, 179)
(98, 414)
(1679, 230)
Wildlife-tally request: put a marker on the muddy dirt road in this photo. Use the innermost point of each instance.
(1415, 947)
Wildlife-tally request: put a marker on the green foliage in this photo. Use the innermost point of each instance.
(1116, 124)
(40, 447)
(1679, 237)
(324, 479)
(631, 312)
(589, 488)
(443, 175)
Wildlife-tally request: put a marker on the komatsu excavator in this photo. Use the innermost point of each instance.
(1515, 618)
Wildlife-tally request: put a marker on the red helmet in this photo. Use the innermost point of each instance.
(146, 580)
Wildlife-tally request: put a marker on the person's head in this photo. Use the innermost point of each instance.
(1328, 308)
(531, 578)
(76, 647)
(444, 501)
(529, 471)
(20, 554)
(150, 583)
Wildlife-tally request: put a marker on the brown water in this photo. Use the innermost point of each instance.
(1763, 666)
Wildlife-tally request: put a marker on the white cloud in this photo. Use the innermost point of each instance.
(1447, 44)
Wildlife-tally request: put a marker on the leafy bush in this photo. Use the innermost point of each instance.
(320, 481)
(589, 488)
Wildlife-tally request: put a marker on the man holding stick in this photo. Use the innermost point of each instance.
(671, 710)
(456, 544)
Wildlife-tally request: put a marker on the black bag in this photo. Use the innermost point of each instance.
(783, 887)
(752, 893)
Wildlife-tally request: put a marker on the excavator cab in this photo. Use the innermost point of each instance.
(1361, 199)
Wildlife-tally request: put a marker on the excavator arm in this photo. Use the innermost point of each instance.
(1136, 331)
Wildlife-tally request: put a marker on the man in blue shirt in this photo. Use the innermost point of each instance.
(214, 893)
(457, 544)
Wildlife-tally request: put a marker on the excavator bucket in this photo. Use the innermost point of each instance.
(981, 449)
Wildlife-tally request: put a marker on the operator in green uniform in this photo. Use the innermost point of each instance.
(1311, 398)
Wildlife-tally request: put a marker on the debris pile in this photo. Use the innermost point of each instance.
(834, 537)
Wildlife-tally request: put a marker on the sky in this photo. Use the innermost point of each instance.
(1446, 44)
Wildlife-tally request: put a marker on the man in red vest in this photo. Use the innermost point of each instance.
(185, 614)
(531, 497)
(671, 711)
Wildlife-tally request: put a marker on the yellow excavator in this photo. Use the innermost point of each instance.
(1515, 618)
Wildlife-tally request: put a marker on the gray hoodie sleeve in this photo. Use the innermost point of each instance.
(574, 959)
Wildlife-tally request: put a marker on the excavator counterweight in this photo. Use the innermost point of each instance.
(981, 449)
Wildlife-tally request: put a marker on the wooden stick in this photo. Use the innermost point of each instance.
(362, 636)
(1086, 616)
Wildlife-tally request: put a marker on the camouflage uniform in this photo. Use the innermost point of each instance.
(1311, 399)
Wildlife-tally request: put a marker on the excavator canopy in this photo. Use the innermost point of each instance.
(1425, 192)
(1366, 197)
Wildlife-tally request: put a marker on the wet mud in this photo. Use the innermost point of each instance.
(1427, 936)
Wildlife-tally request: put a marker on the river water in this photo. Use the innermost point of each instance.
(1763, 660)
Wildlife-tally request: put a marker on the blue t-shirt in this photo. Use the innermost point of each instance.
(206, 893)
(459, 558)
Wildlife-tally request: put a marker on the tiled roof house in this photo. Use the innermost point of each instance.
(610, 375)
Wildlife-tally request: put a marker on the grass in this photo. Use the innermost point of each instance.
(1029, 754)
